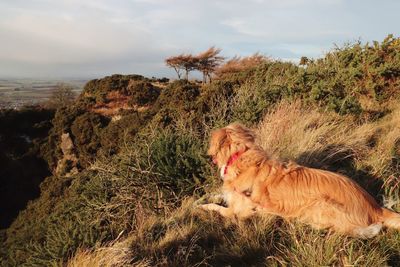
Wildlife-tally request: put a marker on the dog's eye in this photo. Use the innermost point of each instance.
(247, 192)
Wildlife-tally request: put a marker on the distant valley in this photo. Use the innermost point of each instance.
(15, 93)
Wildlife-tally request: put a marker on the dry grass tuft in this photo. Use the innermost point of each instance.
(115, 255)
(294, 131)
(365, 151)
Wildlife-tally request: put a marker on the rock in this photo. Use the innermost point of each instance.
(68, 164)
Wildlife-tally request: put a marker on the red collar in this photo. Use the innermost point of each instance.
(231, 160)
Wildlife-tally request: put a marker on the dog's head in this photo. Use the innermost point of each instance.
(229, 140)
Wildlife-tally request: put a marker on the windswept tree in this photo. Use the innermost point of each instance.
(175, 63)
(205, 62)
(208, 61)
(189, 63)
(182, 63)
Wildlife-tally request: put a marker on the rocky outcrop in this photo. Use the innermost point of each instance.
(68, 164)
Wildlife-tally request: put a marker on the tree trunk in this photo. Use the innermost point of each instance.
(209, 77)
(177, 72)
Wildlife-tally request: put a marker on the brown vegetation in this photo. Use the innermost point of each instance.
(114, 102)
(239, 64)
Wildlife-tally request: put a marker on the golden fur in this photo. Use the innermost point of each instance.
(257, 183)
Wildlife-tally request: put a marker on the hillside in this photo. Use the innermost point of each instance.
(129, 167)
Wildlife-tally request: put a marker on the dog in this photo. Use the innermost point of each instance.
(253, 182)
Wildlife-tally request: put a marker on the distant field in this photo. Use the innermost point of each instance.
(15, 93)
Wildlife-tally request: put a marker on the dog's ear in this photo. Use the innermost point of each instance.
(219, 138)
(239, 134)
(224, 137)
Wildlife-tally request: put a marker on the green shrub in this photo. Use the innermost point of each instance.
(107, 84)
(179, 160)
(53, 227)
(177, 100)
(86, 131)
(119, 132)
(142, 93)
(179, 95)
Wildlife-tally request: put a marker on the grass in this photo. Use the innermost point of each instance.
(189, 237)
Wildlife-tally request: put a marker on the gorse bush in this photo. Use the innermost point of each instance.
(349, 80)
(110, 83)
(179, 160)
(86, 130)
(93, 133)
(239, 65)
(60, 221)
(117, 132)
(142, 93)
(177, 99)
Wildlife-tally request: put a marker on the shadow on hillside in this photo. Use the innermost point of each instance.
(193, 249)
(209, 243)
(22, 168)
(339, 159)
(20, 180)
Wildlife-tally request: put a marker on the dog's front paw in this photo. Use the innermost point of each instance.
(201, 201)
(204, 206)
(208, 199)
(210, 207)
(217, 198)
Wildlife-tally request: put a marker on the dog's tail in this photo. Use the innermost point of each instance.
(390, 218)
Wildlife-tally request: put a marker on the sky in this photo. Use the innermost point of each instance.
(95, 38)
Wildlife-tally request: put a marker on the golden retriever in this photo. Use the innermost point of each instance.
(254, 182)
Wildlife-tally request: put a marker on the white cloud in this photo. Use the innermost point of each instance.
(100, 36)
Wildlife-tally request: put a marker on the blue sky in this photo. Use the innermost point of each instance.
(94, 38)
